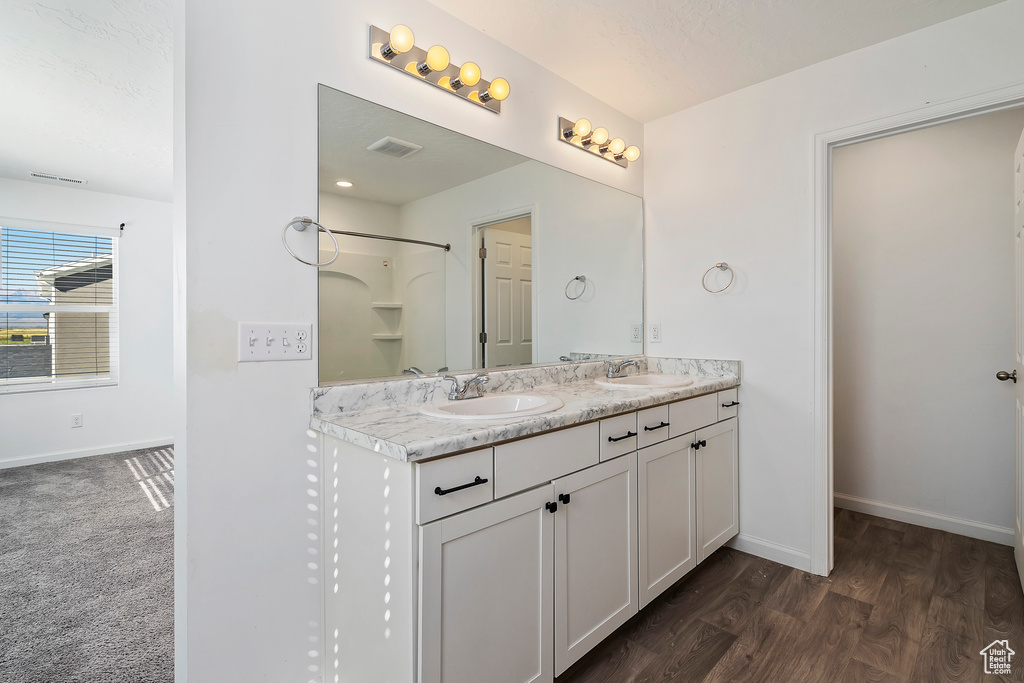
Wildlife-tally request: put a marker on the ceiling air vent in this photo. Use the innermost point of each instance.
(394, 147)
(58, 178)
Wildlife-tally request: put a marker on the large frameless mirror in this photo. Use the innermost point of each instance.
(455, 254)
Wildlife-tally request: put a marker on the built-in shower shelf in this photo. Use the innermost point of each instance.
(386, 337)
(376, 304)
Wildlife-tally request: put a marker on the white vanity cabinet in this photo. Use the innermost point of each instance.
(718, 506)
(508, 563)
(667, 516)
(595, 556)
(486, 593)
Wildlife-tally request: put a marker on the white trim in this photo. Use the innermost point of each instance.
(776, 552)
(53, 226)
(941, 112)
(85, 452)
(926, 518)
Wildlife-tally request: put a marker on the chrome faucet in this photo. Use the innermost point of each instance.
(459, 393)
(412, 370)
(619, 368)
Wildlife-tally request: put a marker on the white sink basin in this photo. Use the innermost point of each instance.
(493, 407)
(655, 381)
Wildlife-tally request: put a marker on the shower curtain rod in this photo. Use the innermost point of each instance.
(446, 247)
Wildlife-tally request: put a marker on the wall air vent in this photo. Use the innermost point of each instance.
(394, 147)
(58, 178)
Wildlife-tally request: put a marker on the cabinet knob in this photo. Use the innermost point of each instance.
(563, 498)
(551, 507)
(697, 445)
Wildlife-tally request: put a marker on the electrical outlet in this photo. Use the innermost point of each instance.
(656, 333)
(273, 341)
(634, 334)
(76, 420)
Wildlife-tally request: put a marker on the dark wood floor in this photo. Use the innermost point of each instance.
(904, 603)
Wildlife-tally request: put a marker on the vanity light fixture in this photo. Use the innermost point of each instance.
(581, 133)
(396, 48)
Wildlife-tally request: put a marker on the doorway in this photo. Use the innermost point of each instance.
(505, 296)
(923, 295)
(826, 332)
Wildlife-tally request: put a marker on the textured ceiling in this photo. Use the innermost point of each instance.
(87, 93)
(651, 58)
(348, 125)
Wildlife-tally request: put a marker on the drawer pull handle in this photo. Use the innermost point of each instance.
(444, 492)
(730, 405)
(651, 429)
(613, 439)
(551, 507)
(563, 498)
(699, 444)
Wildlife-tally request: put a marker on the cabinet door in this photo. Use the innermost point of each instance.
(718, 507)
(486, 593)
(595, 556)
(667, 515)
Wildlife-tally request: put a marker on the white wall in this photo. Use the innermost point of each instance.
(732, 180)
(580, 227)
(922, 249)
(247, 146)
(137, 412)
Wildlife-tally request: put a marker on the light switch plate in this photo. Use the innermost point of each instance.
(274, 341)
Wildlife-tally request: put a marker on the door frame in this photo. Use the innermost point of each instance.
(475, 226)
(822, 555)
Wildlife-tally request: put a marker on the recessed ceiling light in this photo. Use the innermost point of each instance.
(344, 183)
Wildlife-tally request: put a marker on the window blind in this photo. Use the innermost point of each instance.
(58, 309)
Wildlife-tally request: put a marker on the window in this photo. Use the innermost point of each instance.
(58, 307)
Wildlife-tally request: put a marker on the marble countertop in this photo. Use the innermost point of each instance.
(402, 432)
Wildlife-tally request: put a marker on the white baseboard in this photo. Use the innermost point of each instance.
(84, 452)
(775, 552)
(932, 520)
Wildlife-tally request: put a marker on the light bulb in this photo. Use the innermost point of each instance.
(400, 40)
(469, 74)
(437, 58)
(632, 153)
(498, 90)
(599, 136)
(343, 183)
(582, 127)
(616, 146)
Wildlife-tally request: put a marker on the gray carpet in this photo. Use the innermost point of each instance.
(87, 570)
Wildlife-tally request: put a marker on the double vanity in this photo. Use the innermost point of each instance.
(499, 538)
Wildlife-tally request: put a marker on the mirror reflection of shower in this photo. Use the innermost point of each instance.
(379, 306)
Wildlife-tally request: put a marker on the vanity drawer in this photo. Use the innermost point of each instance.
(653, 425)
(618, 436)
(539, 459)
(451, 473)
(692, 414)
(728, 403)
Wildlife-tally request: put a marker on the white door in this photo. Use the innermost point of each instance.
(486, 593)
(718, 508)
(595, 556)
(508, 298)
(667, 515)
(1018, 363)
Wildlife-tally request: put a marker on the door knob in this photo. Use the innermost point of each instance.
(1002, 376)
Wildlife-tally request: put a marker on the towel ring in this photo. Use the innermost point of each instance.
(720, 266)
(300, 223)
(581, 278)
